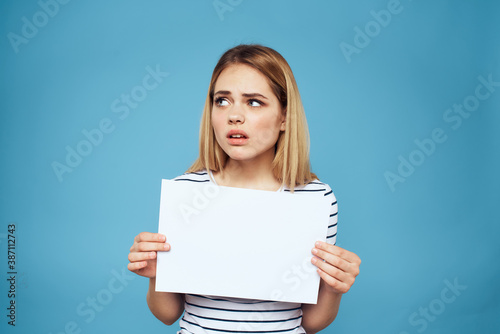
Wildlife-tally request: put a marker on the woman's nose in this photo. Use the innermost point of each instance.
(236, 116)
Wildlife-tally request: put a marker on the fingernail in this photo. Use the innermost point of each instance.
(314, 260)
(318, 244)
(166, 246)
(315, 251)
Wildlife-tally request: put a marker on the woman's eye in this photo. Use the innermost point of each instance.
(255, 103)
(221, 102)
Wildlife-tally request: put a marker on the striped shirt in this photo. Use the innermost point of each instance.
(219, 315)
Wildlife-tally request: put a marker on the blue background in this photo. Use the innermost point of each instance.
(364, 112)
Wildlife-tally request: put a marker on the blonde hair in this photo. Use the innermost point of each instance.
(291, 165)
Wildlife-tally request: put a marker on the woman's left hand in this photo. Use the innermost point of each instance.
(340, 268)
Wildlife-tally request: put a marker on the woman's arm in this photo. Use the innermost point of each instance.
(338, 269)
(166, 306)
(316, 317)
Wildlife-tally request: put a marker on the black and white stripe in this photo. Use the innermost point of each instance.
(213, 314)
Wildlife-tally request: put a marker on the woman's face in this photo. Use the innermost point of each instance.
(246, 115)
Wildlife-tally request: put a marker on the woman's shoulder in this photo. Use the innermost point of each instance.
(315, 186)
(199, 176)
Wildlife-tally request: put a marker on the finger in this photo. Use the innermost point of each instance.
(332, 271)
(332, 259)
(148, 236)
(150, 246)
(340, 252)
(135, 266)
(141, 256)
(334, 283)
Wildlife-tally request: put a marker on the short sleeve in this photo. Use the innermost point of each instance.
(331, 235)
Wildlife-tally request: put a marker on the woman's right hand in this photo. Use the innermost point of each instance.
(142, 254)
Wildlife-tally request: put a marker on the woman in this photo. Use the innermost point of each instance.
(253, 135)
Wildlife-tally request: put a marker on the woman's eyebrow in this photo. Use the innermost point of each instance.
(226, 92)
(223, 92)
(254, 95)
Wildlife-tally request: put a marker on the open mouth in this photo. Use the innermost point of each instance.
(237, 136)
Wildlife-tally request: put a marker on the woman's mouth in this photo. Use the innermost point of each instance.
(237, 137)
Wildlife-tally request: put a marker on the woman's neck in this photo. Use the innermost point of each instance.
(247, 175)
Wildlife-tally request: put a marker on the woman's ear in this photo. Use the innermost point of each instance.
(283, 121)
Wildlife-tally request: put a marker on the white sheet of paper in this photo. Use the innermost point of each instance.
(240, 243)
